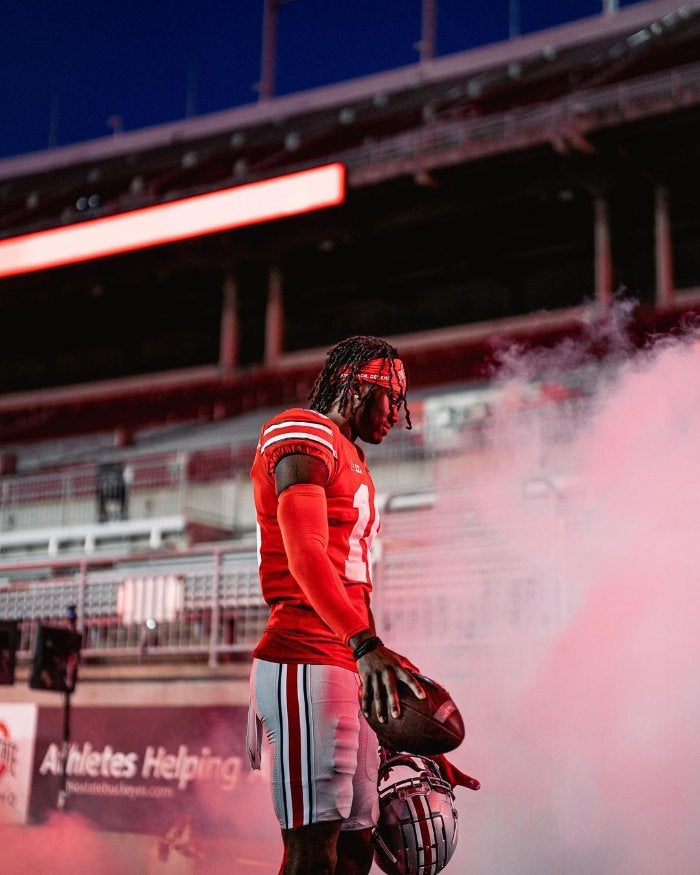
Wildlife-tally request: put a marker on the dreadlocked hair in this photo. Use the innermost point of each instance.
(343, 363)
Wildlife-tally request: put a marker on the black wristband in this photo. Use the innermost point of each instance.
(366, 646)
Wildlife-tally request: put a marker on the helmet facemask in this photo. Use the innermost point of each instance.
(417, 829)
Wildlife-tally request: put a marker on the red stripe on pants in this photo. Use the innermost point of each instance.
(294, 742)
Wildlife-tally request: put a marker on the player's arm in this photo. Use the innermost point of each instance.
(302, 514)
(299, 468)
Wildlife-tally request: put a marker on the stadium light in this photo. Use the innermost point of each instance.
(223, 210)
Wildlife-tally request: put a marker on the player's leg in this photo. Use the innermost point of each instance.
(355, 849)
(311, 850)
(311, 720)
(355, 852)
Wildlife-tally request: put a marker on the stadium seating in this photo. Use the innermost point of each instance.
(183, 583)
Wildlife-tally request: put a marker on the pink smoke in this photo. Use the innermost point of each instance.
(575, 558)
(64, 845)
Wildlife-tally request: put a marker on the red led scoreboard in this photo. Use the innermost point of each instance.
(221, 210)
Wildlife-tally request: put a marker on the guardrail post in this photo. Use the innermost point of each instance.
(65, 498)
(80, 607)
(4, 489)
(181, 464)
(215, 612)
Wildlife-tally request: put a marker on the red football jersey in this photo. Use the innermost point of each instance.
(295, 632)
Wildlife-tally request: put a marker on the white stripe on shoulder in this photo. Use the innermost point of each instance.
(295, 435)
(298, 422)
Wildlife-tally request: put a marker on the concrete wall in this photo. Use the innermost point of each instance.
(144, 685)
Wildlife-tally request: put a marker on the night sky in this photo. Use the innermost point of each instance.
(70, 67)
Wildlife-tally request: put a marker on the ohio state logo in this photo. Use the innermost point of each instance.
(8, 752)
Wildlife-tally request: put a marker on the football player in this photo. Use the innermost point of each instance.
(317, 516)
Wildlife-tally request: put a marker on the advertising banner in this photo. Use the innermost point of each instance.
(145, 769)
(17, 737)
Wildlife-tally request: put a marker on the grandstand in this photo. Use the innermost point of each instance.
(510, 194)
(502, 195)
(527, 177)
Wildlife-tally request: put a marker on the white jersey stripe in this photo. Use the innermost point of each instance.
(305, 735)
(284, 742)
(300, 761)
(303, 422)
(292, 435)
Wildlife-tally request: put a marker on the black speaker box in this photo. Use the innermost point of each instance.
(9, 642)
(56, 657)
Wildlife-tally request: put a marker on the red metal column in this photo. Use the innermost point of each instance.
(603, 252)
(228, 343)
(663, 247)
(427, 37)
(269, 50)
(274, 317)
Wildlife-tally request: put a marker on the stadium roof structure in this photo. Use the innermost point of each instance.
(585, 96)
(552, 86)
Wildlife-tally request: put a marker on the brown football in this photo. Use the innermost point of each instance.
(426, 726)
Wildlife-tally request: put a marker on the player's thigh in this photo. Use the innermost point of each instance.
(311, 719)
(355, 852)
(364, 811)
(311, 849)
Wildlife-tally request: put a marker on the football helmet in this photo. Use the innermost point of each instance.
(417, 829)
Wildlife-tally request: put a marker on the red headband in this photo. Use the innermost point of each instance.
(383, 372)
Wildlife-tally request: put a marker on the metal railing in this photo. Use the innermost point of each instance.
(199, 603)
(205, 603)
(91, 509)
(200, 486)
(446, 142)
(143, 488)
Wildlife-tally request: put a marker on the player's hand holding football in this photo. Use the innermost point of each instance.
(380, 669)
